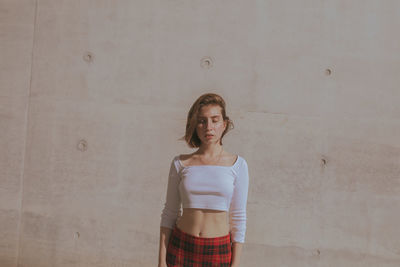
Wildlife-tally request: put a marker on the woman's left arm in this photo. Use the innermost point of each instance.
(236, 253)
(237, 213)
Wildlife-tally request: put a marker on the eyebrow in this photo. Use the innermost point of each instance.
(201, 117)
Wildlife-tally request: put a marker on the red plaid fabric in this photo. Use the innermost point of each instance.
(185, 250)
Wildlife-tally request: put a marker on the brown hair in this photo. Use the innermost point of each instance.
(190, 136)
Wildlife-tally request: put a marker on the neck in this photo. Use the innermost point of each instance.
(210, 150)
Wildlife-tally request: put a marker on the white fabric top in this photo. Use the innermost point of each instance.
(208, 187)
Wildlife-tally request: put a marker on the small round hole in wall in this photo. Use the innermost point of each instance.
(328, 72)
(82, 145)
(88, 57)
(206, 62)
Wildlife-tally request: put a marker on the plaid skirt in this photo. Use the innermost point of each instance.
(185, 250)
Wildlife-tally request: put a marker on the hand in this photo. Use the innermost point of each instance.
(163, 264)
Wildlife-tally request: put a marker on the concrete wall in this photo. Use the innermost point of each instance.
(94, 95)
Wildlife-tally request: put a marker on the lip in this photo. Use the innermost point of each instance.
(209, 135)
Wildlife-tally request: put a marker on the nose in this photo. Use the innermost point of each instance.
(209, 125)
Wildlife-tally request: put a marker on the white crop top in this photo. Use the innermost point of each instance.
(208, 187)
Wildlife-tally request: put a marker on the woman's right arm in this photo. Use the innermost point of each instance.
(170, 212)
(164, 238)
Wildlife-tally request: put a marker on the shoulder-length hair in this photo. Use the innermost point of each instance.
(191, 136)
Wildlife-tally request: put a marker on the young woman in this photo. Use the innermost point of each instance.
(208, 183)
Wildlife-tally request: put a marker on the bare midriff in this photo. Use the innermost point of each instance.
(204, 222)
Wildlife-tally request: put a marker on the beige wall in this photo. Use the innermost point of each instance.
(86, 141)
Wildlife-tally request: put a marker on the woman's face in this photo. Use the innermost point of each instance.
(210, 121)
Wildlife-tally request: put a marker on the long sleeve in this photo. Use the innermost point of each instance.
(172, 203)
(237, 210)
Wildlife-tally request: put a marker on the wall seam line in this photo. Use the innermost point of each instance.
(19, 224)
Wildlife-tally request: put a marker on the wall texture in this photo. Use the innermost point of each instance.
(94, 95)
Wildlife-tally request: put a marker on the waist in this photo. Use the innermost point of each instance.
(203, 222)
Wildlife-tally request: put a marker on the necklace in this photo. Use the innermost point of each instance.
(219, 157)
